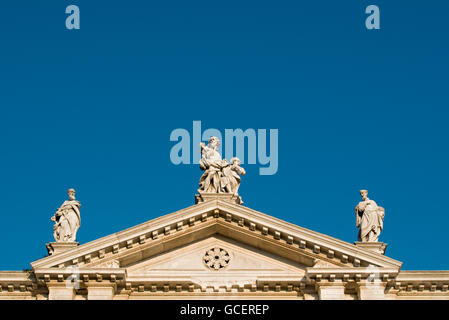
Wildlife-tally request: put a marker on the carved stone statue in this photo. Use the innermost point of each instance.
(212, 164)
(219, 175)
(230, 182)
(67, 219)
(369, 218)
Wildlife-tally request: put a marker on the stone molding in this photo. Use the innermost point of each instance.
(60, 247)
(378, 247)
(302, 240)
(424, 284)
(333, 268)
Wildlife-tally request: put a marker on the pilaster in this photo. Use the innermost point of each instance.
(60, 291)
(330, 290)
(101, 291)
(371, 290)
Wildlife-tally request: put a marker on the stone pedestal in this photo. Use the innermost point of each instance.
(331, 290)
(378, 247)
(206, 196)
(59, 247)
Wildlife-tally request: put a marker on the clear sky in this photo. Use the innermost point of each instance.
(93, 109)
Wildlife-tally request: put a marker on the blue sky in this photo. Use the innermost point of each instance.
(93, 109)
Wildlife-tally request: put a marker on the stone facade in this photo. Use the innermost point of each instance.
(219, 249)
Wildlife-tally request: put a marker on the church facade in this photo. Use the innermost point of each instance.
(220, 249)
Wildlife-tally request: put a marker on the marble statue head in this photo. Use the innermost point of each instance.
(213, 143)
(364, 194)
(71, 193)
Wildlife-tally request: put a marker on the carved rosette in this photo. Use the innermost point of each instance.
(216, 258)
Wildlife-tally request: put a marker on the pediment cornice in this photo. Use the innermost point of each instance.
(231, 220)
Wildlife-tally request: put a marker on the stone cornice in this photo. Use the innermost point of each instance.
(351, 274)
(412, 282)
(16, 281)
(432, 275)
(97, 275)
(126, 235)
(314, 244)
(307, 235)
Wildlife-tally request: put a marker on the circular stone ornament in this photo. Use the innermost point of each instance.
(216, 258)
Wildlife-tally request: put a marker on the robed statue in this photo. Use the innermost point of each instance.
(67, 219)
(369, 218)
(219, 175)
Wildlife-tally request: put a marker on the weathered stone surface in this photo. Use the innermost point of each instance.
(219, 175)
(59, 247)
(369, 218)
(220, 249)
(378, 247)
(67, 219)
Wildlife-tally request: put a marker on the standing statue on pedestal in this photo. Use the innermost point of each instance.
(369, 218)
(230, 182)
(67, 219)
(212, 164)
(219, 175)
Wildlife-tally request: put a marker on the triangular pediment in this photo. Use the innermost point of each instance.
(231, 257)
(244, 228)
(216, 262)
